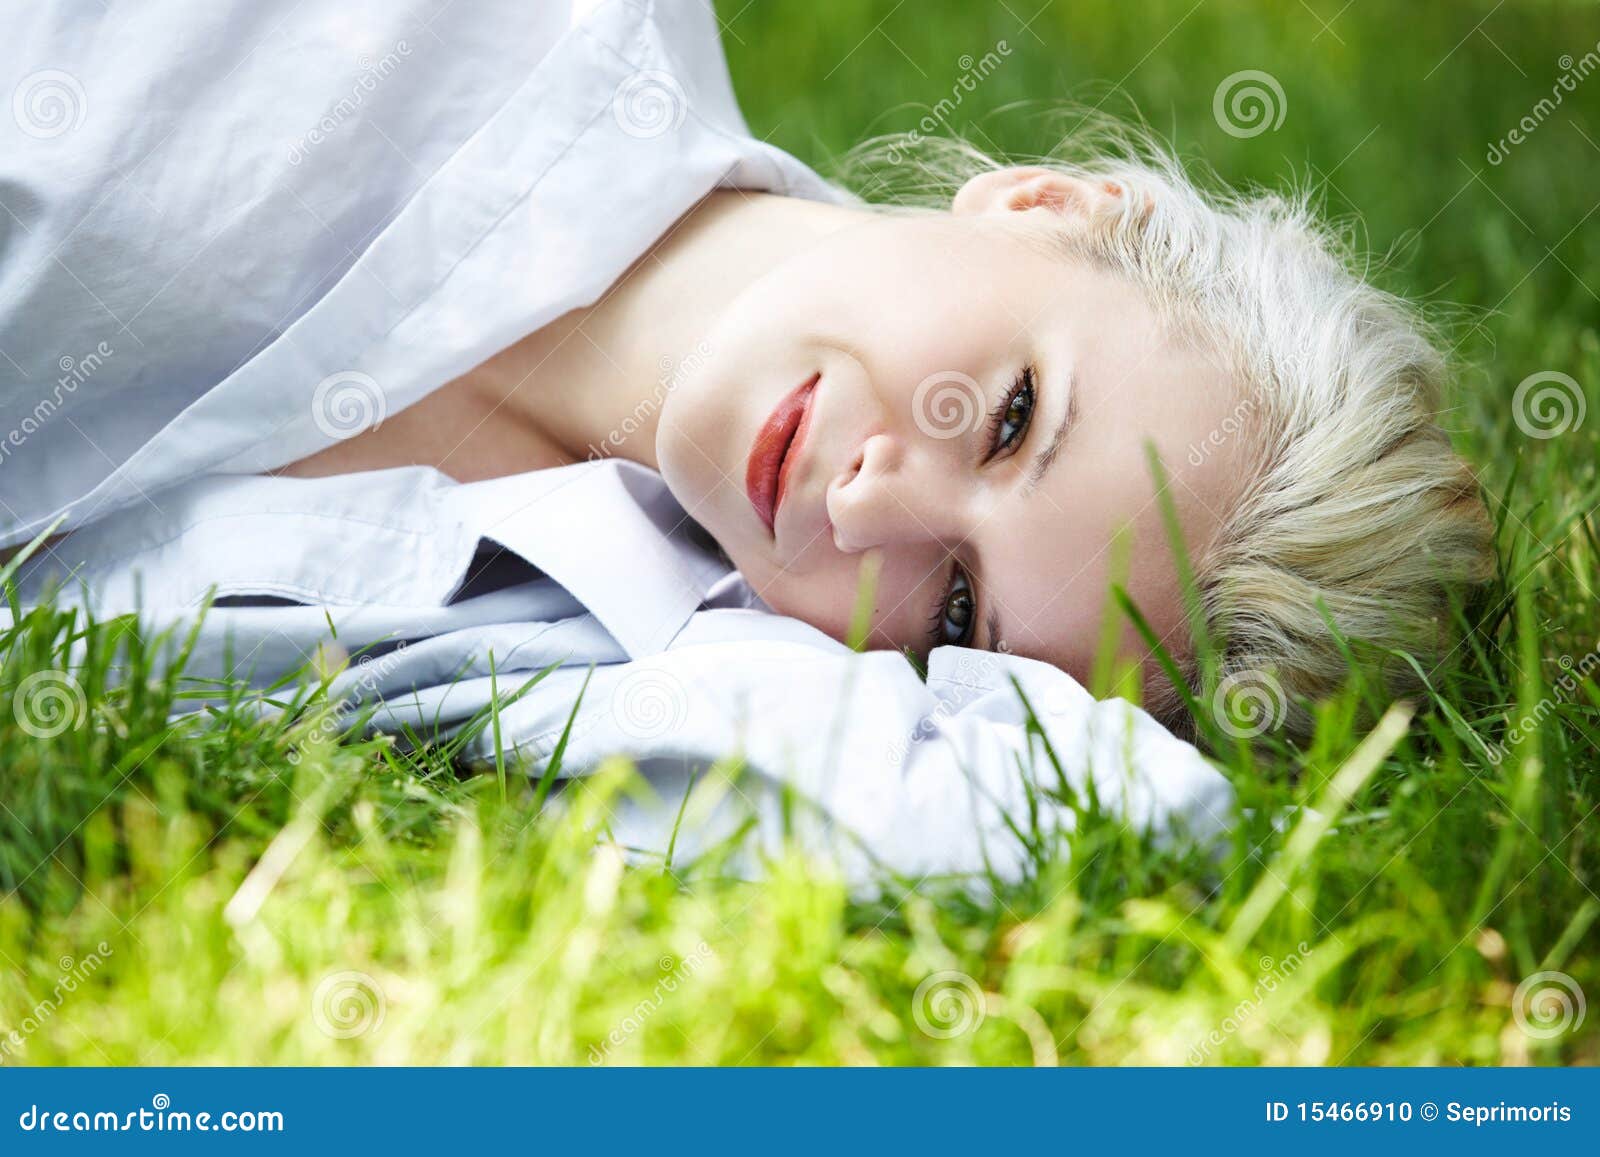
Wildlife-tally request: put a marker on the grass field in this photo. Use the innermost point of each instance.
(177, 895)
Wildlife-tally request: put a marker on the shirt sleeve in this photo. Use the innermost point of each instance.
(920, 778)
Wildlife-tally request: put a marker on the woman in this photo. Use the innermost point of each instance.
(460, 356)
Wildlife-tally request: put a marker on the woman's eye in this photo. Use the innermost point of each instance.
(955, 626)
(1011, 421)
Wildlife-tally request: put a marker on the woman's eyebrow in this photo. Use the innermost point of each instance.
(1046, 457)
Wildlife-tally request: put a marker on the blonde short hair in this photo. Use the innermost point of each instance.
(1360, 512)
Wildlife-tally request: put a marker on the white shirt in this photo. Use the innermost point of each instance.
(256, 230)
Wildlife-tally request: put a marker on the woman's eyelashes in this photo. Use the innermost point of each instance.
(1009, 422)
(954, 613)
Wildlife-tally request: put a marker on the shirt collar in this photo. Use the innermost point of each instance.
(609, 532)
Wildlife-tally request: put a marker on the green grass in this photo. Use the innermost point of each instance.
(179, 893)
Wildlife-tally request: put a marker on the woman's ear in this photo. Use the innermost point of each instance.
(1021, 188)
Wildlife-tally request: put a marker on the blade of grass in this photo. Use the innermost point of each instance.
(1314, 824)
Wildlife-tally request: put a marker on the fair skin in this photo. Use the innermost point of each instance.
(977, 428)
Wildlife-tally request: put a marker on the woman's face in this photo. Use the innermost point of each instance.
(971, 412)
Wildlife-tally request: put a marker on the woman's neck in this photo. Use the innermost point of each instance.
(594, 380)
(590, 384)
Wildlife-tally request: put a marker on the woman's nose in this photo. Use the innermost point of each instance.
(887, 497)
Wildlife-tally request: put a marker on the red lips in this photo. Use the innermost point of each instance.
(775, 449)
